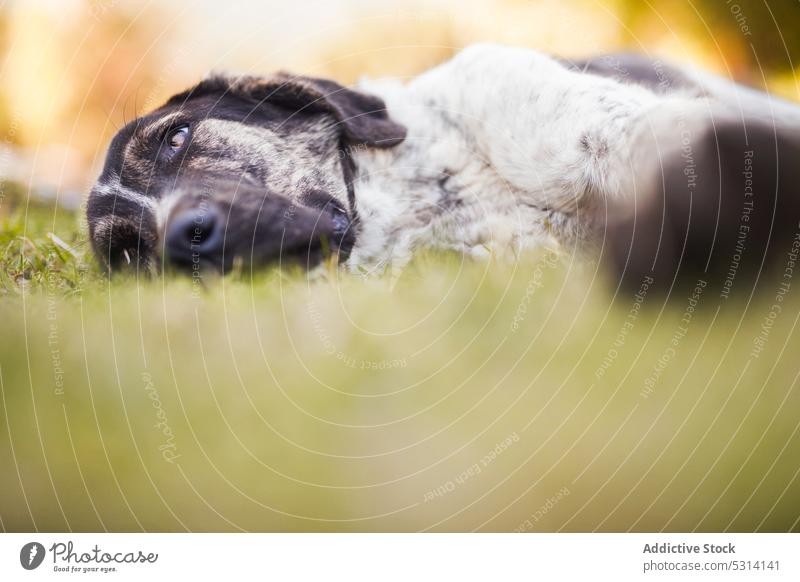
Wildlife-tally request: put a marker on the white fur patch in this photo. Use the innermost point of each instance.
(113, 187)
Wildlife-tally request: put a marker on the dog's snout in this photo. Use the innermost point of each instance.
(243, 225)
(194, 232)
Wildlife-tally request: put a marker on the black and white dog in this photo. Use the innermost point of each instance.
(663, 170)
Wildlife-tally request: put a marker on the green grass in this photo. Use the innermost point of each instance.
(41, 247)
(461, 396)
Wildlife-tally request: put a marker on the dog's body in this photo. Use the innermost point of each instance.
(496, 151)
(505, 148)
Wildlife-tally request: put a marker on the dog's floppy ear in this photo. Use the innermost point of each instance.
(363, 118)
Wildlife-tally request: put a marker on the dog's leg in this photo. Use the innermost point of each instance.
(718, 201)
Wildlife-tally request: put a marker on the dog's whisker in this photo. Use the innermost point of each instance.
(110, 118)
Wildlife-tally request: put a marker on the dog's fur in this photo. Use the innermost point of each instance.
(496, 151)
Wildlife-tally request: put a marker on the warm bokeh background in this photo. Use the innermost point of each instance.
(74, 70)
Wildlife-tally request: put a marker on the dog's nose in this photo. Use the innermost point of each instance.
(193, 233)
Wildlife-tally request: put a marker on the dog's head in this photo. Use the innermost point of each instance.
(236, 168)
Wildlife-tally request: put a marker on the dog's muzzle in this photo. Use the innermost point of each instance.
(253, 228)
(195, 233)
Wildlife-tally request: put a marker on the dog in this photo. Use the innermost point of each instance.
(658, 169)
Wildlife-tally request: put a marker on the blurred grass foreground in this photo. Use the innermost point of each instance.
(462, 396)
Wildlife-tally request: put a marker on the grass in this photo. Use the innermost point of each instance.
(463, 396)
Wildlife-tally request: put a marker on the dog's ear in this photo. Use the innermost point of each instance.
(363, 118)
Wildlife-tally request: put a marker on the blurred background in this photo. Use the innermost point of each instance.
(74, 70)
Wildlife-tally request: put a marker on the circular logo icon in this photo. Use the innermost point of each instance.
(31, 555)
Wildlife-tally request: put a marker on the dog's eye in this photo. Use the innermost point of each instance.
(177, 137)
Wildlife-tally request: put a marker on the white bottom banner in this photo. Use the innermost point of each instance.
(371, 557)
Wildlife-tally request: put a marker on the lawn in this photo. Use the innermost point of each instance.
(461, 396)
